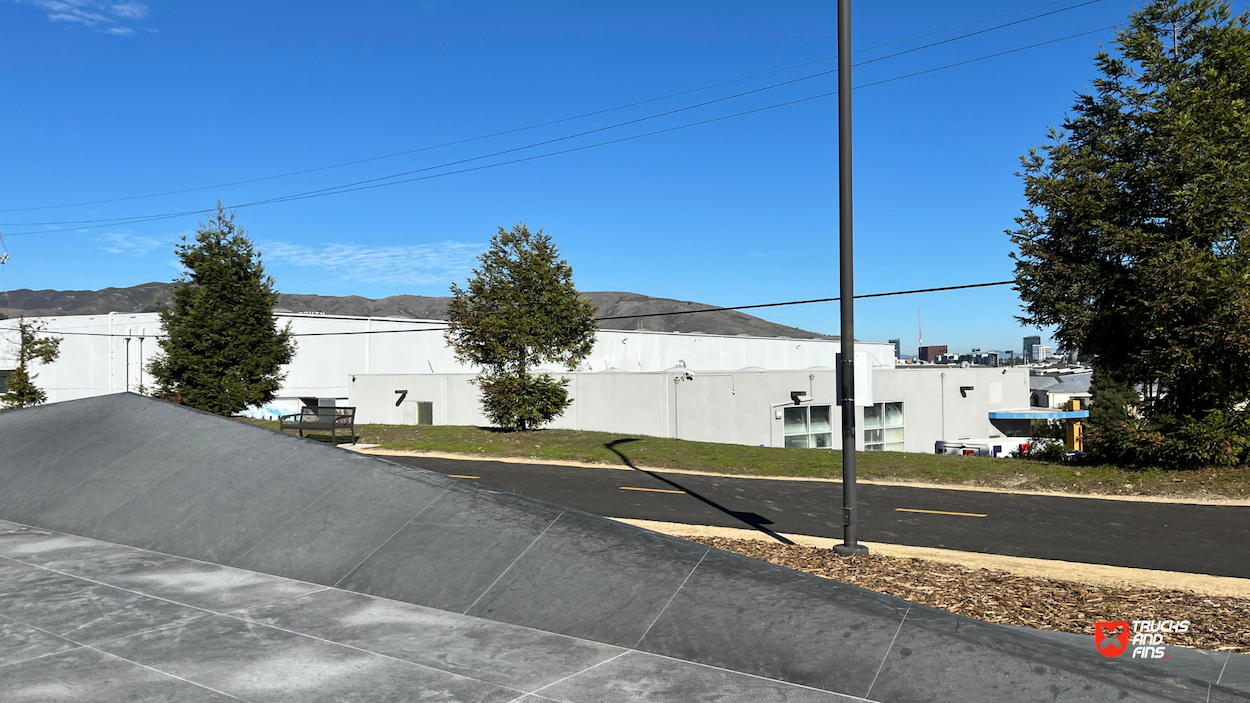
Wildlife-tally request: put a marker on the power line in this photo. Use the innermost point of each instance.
(592, 113)
(805, 302)
(371, 183)
(436, 326)
(349, 187)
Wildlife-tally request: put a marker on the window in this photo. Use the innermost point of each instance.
(883, 428)
(809, 426)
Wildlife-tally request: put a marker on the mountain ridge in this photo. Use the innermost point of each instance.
(149, 297)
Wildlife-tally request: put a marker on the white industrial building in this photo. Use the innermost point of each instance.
(737, 389)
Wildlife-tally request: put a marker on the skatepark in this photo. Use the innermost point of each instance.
(153, 552)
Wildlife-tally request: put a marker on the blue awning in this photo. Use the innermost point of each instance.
(1038, 414)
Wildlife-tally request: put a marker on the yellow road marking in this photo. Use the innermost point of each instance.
(462, 476)
(650, 490)
(937, 512)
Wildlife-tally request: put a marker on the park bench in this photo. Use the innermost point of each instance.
(321, 419)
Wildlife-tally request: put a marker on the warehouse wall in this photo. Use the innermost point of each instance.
(94, 361)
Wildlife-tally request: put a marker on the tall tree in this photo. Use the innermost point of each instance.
(520, 309)
(20, 389)
(1131, 246)
(222, 351)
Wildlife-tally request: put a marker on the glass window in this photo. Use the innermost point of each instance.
(820, 419)
(796, 421)
(809, 426)
(872, 416)
(883, 428)
(893, 414)
(796, 440)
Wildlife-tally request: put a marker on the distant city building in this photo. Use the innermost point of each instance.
(1031, 341)
(898, 348)
(932, 352)
(1041, 352)
(976, 358)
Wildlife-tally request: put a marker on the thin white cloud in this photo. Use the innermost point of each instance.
(133, 244)
(107, 17)
(130, 10)
(400, 265)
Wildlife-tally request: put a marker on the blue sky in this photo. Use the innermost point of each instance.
(109, 100)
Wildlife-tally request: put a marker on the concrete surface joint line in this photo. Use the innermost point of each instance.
(82, 645)
(514, 561)
(671, 598)
(231, 613)
(388, 539)
(889, 648)
(107, 585)
(117, 461)
(41, 656)
(365, 650)
(291, 519)
(577, 673)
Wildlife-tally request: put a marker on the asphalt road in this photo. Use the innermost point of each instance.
(1201, 539)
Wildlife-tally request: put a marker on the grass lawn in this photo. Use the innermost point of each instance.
(656, 452)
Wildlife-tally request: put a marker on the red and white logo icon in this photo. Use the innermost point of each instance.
(1111, 636)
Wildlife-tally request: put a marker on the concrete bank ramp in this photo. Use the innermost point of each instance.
(134, 471)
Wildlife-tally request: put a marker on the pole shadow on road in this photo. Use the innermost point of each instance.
(754, 520)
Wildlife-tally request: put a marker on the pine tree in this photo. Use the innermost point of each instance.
(1132, 243)
(21, 391)
(520, 310)
(222, 351)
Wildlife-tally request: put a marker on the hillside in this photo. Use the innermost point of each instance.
(148, 297)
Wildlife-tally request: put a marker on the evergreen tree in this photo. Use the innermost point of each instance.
(21, 391)
(520, 310)
(1110, 416)
(1131, 245)
(222, 351)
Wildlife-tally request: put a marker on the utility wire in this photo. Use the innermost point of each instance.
(368, 185)
(587, 114)
(437, 326)
(805, 302)
(348, 187)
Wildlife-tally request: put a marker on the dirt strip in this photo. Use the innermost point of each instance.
(1099, 574)
(1216, 622)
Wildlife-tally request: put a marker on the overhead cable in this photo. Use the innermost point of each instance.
(438, 326)
(350, 188)
(586, 114)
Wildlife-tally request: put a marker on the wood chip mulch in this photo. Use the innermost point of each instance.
(1215, 622)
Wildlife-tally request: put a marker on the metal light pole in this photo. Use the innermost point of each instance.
(846, 251)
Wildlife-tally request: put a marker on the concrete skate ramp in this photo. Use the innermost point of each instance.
(134, 471)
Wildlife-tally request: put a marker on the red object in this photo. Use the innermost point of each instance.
(1111, 637)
